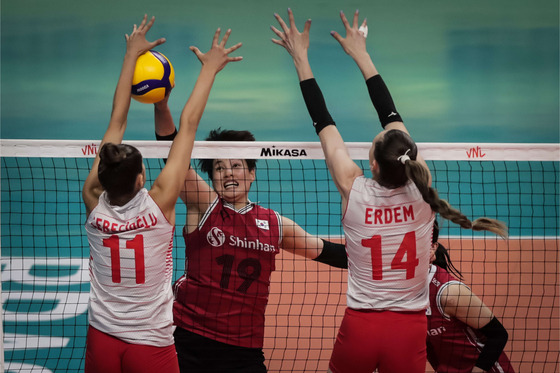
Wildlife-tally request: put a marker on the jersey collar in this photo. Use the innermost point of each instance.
(242, 210)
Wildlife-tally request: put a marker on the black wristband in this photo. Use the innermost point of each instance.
(382, 101)
(166, 137)
(333, 254)
(496, 339)
(170, 137)
(316, 105)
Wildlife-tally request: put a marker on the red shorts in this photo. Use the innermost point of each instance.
(386, 340)
(107, 354)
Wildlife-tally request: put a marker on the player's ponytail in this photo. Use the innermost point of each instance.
(419, 175)
(396, 153)
(392, 153)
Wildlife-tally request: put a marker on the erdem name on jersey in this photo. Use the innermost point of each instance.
(398, 214)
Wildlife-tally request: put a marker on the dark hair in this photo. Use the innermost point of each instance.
(119, 165)
(388, 149)
(206, 165)
(393, 174)
(443, 259)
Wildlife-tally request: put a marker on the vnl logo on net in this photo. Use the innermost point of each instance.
(89, 149)
(475, 152)
(50, 305)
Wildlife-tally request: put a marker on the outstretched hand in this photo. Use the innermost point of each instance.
(355, 41)
(218, 55)
(295, 42)
(136, 43)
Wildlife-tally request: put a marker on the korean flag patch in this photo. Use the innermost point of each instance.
(262, 224)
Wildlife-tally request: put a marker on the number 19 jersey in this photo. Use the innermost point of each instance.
(229, 261)
(130, 269)
(388, 236)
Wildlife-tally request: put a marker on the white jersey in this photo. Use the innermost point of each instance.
(131, 268)
(388, 236)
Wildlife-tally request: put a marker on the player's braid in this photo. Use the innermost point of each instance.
(445, 210)
(492, 225)
(419, 175)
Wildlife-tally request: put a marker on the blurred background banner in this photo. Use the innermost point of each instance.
(458, 71)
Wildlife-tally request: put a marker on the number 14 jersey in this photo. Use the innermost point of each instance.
(388, 236)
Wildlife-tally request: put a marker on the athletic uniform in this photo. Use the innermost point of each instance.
(388, 236)
(131, 296)
(453, 346)
(220, 301)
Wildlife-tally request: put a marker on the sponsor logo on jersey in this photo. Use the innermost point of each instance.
(436, 331)
(216, 237)
(249, 244)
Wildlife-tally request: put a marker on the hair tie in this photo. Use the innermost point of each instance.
(403, 158)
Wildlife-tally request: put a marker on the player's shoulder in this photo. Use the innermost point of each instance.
(442, 276)
(269, 214)
(258, 209)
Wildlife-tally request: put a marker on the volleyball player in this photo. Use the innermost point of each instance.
(463, 334)
(387, 220)
(230, 246)
(130, 229)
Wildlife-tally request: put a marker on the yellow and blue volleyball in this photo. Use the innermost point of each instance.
(153, 77)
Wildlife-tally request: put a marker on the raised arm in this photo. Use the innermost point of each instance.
(458, 301)
(136, 45)
(170, 182)
(196, 193)
(354, 44)
(343, 170)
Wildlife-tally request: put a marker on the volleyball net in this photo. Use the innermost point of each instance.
(44, 262)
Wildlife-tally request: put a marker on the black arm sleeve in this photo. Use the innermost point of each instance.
(166, 138)
(382, 101)
(496, 339)
(316, 105)
(333, 254)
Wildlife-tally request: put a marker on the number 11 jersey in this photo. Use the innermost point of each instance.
(130, 269)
